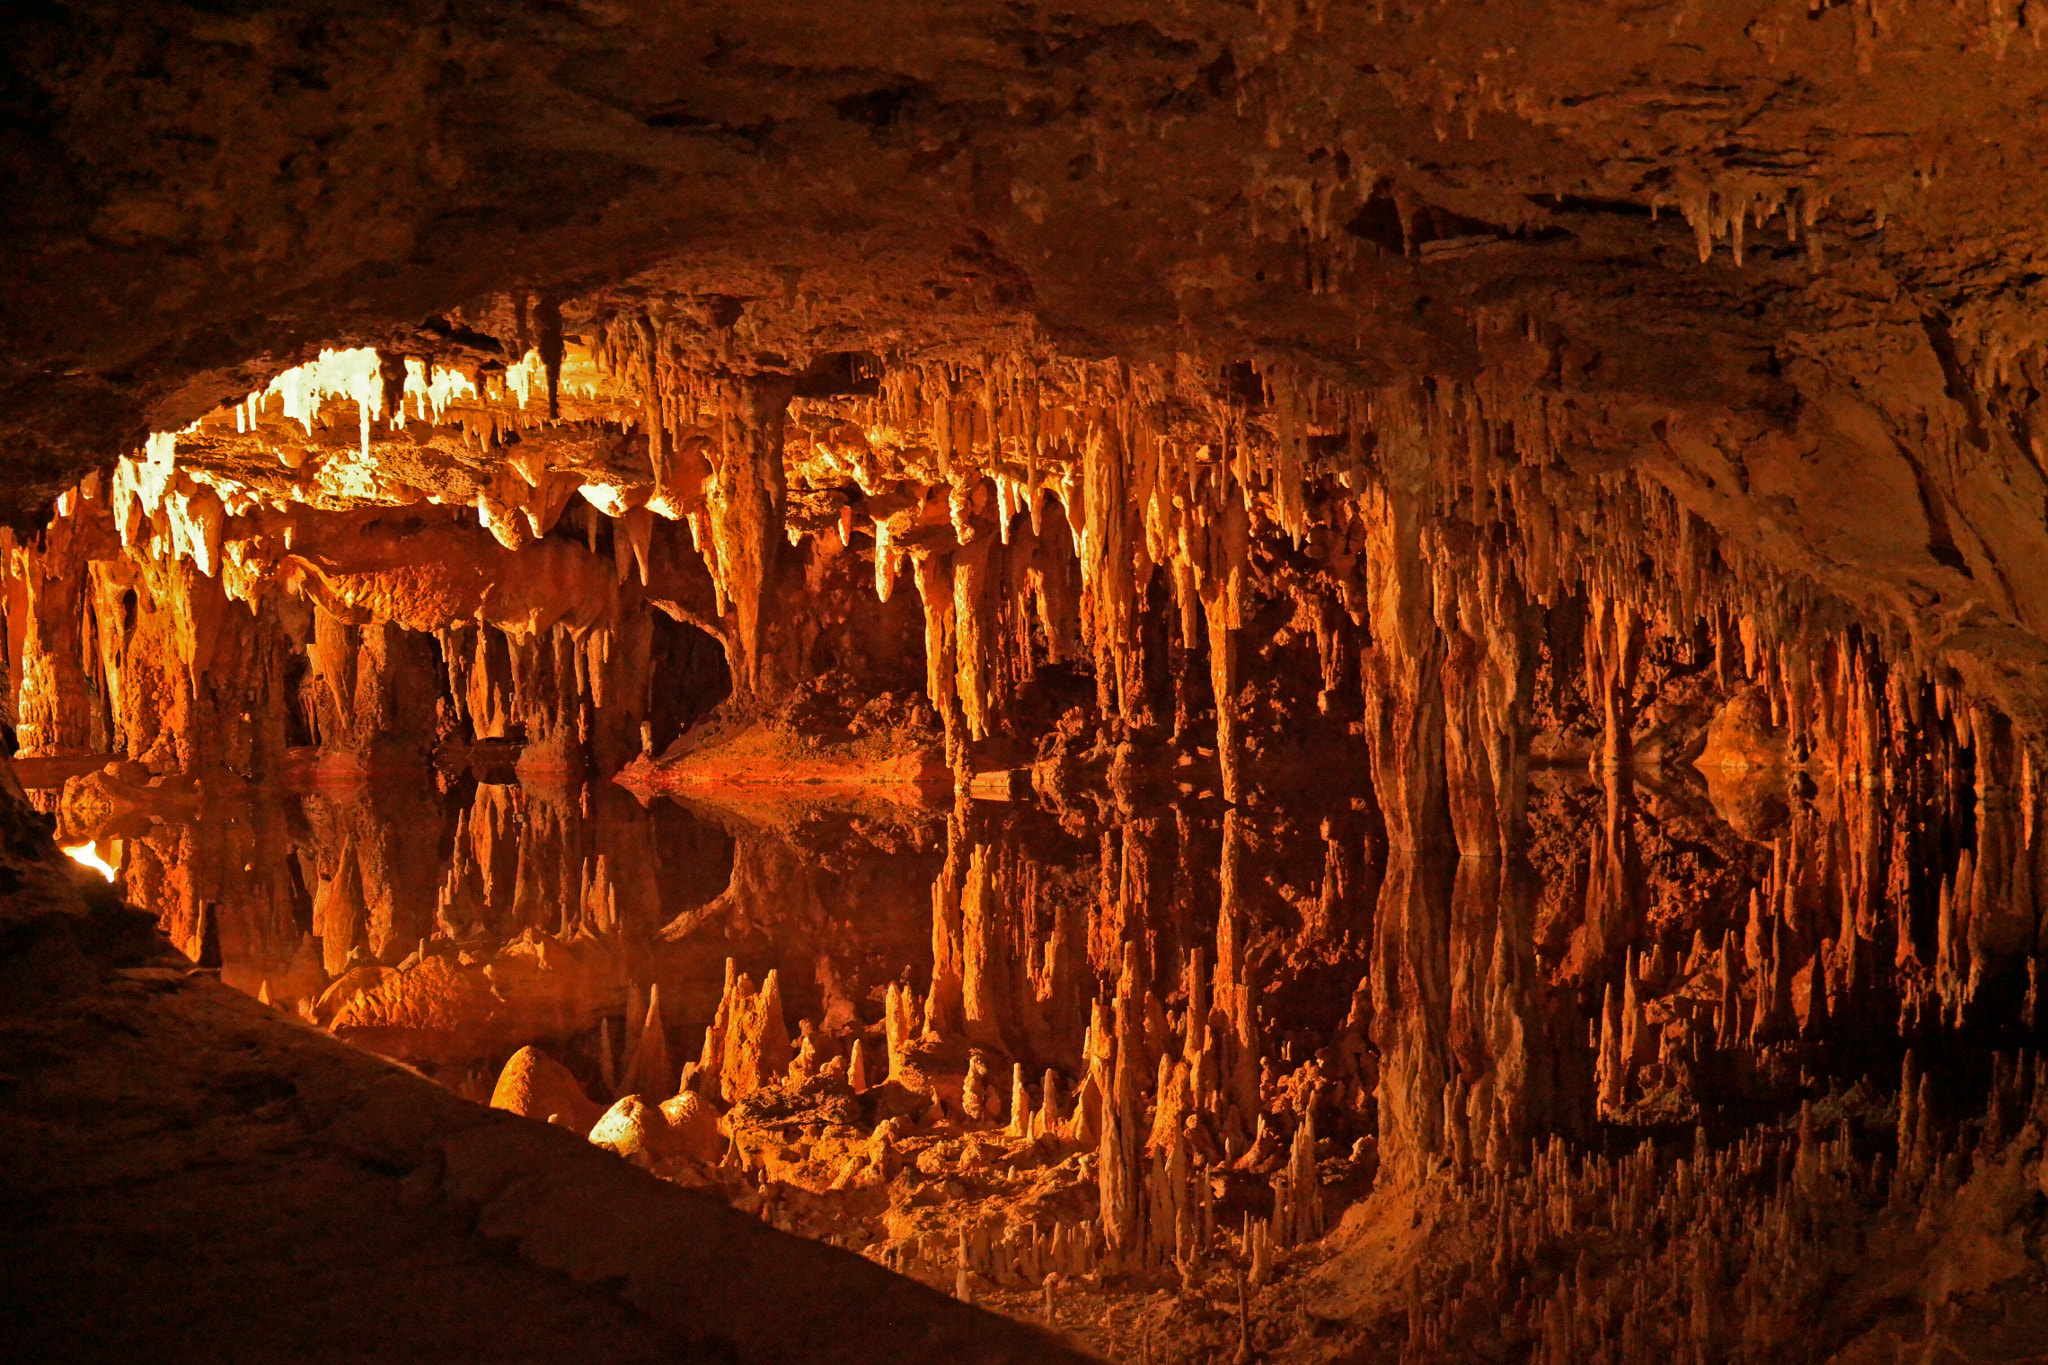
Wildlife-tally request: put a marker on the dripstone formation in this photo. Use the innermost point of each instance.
(1308, 682)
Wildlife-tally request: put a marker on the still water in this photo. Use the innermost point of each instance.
(1662, 957)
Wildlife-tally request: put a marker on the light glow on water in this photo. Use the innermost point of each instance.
(88, 855)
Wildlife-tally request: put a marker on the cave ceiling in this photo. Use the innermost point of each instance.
(1522, 525)
(1741, 251)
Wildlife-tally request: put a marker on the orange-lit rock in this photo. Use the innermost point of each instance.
(682, 1128)
(694, 1128)
(634, 1129)
(536, 1085)
(1382, 674)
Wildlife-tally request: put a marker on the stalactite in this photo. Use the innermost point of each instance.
(1418, 576)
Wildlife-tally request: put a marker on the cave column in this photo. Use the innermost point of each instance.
(2003, 917)
(47, 601)
(1106, 559)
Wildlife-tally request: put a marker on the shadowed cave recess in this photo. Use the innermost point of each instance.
(1301, 681)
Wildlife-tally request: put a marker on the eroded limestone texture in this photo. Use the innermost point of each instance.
(1292, 681)
(1387, 816)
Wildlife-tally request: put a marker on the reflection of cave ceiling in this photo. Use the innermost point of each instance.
(1271, 443)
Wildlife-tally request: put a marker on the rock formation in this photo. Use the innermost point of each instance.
(1384, 669)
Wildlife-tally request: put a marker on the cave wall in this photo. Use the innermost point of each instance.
(1754, 295)
(1189, 408)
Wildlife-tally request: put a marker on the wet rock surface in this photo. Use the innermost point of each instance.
(1294, 681)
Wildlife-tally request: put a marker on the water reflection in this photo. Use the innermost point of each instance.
(1663, 956)
(448, 925)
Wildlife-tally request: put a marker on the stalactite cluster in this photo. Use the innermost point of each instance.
(1295, 682)
(1422, 803)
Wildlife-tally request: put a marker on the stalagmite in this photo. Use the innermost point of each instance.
(650, 1071)
(756, 1047)
(898, 1017)
(857, 1069)
(1569, 744)
(1020, 1104)
(1048, 1119)
(976, 1090)
(539, 1087)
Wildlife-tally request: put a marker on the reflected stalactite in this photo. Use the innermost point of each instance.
(1501, 1029)
(1216, 1031)
(1279, 800)
(1411, 1012)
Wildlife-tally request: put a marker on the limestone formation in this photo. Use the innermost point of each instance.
(635, 1130)
(536, 1085)
(1385, 667)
